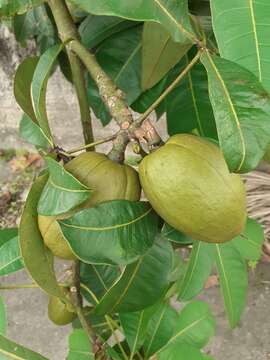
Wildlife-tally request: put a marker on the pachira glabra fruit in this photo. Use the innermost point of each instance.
(108, 180)
(188, 183)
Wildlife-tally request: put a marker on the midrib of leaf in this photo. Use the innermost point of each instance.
(193, 269)
(130, 58)
(225, 280)
(12, 356)
(137, 335)
(155, 331)
(100, 278)
(86, 288)
(87, 228)
(180, 26)
(10, 263)
(231, 105)
(67, 189)
(255, 38)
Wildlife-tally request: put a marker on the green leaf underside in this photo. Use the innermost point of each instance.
(22, 85)
(79, 346)
(249, 244)
(38, 260)
(10, 257)
(62, 192)
(32, 133)
(180, 352)
(7, 234)
(233, 280)
(113, 232)
(120, 58)
(159, 53)
(142, 283)
(242, 109)
(16, 351)
(199, 268)
(242, 31)
(171, 14)
(39, 85)
(11, 7)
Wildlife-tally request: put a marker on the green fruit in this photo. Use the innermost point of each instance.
(59, 312)
(108, 180)
(189, 185)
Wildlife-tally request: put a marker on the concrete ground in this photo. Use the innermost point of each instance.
(26, 309)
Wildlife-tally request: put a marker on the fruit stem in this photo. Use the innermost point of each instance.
(93, 144)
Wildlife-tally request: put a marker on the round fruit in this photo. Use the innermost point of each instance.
(59, 312)
(53, 238)
(189, 185)
(108, 180)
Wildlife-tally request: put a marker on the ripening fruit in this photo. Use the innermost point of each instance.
(59, 312)
(188, 183)
(109, 181)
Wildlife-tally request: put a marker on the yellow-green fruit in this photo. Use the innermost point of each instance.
(59, 312)
(189, 185)
(52, 236)
(107, 179)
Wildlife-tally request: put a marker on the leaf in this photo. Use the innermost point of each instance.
(11, 7)
(180, 352)
(142, 283)
(175, 236)
(98, 279)
(188, 105)
(98, 323)
(159, 53)
(242, 29)
(32, 133)
(3, 319)
(38, 260)
(160, 329)
(22, 85)
(199, 269)
(7, 234)
(15, 351)
(79, 346)
(113, 232)
(207, 357)
(242, 109)
(233, 280)
(39, 85)
(10, 257)
(120, 57)
(95, 29)
(135, 325)
(171, 14)
(62, 192)
(249, 243)
(195, 326)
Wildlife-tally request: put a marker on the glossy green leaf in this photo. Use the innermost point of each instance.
(113, 232)
(120, 58)
(10, 257)
(38, 260)
(15, 351)
(188, 105)
(249, 243)
(142, 283)
(159, 53)
(195, 326)
(135, 326)
(39, 85)
(3, 319)
(233, 280)
(242, 31)
(242, 109)
(22, 85)
(11, 7)
(7, 234)
(32, 133)
(95, 29)
(97, 279)
(160, 329)
(175, 236)
(98, 323)
(62, 192)
(171, 14)
(180, 352)
(79, 346)
(199, 269)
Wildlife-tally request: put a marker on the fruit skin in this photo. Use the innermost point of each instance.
(188, 183)
(108, 179)
(59, 312)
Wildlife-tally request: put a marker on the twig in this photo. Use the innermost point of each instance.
(93, 144)
(25, 286)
